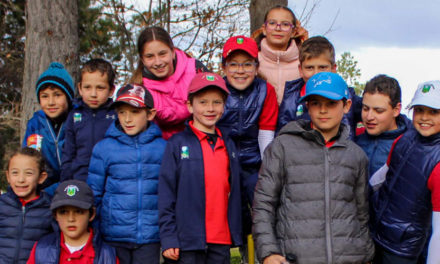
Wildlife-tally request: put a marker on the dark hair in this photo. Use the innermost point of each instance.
(101, 65)
(207, 88)
(315, 47)
(147, 35)
(33, 153)
(386, 85)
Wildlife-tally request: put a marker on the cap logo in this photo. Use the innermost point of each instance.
(137, 90)
(210, 78)
(426, 88)
(240, 41)
(71, 190)
(134, 103)
(329, 81)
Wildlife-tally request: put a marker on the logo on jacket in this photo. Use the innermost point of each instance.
(185, 153)
(300, 110)
(71, 190)
(107, 116)
(77, 117)
(35, 141)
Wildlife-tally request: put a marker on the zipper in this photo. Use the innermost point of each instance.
(327, 206)
(20, 235)
(139, 183)
(55, 139)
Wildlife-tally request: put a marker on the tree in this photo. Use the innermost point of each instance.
(259, 8)
(347, 68)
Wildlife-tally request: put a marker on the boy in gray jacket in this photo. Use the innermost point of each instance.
(310, 201)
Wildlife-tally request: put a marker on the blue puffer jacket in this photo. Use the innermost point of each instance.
(291, 110)
(48, 250)
(21, 226)
(51, 145)
(123, 175)
(402, 207)
(378, 147)
(182, 193)
(84, 128)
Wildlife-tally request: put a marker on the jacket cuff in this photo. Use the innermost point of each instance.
(169, 242)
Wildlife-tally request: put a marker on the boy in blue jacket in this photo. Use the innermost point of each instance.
(89, 120)
(123, 175)
(45, 130)
(24, 211)
(199, 183)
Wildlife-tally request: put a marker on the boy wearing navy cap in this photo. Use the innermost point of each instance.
(310, 202)
(75, 241)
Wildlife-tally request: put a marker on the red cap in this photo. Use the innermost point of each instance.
(206, 79)
(243, 43)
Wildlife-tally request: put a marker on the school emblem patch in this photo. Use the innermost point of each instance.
(77, 117)
(210, 78)
(71, 190)
(299, 110)
(185, 153)
(426, 88)
(35, 141)
(240, 41)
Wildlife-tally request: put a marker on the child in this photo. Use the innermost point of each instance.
(45, 130)
(381, 105)
(251, 109)
(199, 184)
(123, 175)
(408, 200)
(87, 123)
(316, 54)
(311, 196)
(75, 241)
(24, 211)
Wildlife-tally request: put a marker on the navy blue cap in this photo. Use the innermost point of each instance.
(72, 193)
(326, 84)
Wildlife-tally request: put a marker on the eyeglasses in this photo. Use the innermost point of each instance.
(284, 26)
(247, 66)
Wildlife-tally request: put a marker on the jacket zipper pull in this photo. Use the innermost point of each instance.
(23, 209)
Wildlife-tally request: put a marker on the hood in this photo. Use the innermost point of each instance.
(145, 137)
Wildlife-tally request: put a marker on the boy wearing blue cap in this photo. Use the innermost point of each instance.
(310, 202)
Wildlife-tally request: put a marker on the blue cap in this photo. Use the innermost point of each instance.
(326, 84)
(57, 75)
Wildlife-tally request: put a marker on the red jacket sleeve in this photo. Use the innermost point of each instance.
(269, 114)
(434, 187)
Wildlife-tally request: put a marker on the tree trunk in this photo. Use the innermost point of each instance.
(51, 35)
(258, 9)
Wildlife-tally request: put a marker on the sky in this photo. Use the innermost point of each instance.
(400, 38)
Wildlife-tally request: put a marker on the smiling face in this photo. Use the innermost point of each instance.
(426, 120)
(158, 58)
(73, 222)
(53, 101)
(94, 89)
(277, 38)
(207, 108)
(240, 69)
(378, 116)
(134, 120)
(23, 175)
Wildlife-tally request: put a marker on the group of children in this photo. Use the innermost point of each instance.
(122, 192)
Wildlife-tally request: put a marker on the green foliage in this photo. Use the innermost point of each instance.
(347, 68)
(9, 141)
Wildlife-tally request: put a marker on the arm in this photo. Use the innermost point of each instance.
(434, 243)
(69, 150)
(97, 175)
(361, 192)
(268, 119)
(170, 111)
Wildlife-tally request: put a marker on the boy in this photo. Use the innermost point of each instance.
(408, 200)
(381, 105)
(75, 242)
(199, 183)
(24, 210)
(311, 196)
(88, 122)
(123, 175)
(316, 54)
(45, 130)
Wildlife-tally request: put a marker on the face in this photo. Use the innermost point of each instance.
(426, 120)
(158, 58)
(53, 101)
(326, 114)
(207, 108)
(277, 38)
(240, 69)
(73, 222)
(378, 115)
(312, 66)
(134, 120)
(23, 176)
(94, 89)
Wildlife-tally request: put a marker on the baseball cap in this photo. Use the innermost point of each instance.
(206, 79)
(243, 43)
(427, 94)
(135, 95)
(74, 193)
(326, 84)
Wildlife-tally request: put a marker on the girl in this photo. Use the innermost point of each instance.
(166, 72)
(279, 38)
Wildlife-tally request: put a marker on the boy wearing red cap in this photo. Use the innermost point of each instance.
(199, 183)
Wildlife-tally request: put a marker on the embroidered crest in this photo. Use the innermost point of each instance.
(185, 153)
(426, 88)
(107, 116)
(35, 141)
(77, 117)
(71, 190)
(240, 41)
(210, 78)
(300, 110)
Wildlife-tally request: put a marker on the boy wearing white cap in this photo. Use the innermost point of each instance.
(408, 199)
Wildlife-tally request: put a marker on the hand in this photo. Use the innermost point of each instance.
(275, 259)
(171, 253)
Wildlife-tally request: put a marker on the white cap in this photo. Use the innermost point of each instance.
(427, 94)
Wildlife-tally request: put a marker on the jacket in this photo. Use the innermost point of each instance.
(21, 226)
(402, 206)
(378, 147)
(170, 95)
(51, 144)
(277, 67)
(123, 175)
(182, 193)
(313, 203)
(84, 128)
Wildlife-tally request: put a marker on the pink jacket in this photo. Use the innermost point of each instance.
(277, 67)
(170, 95)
